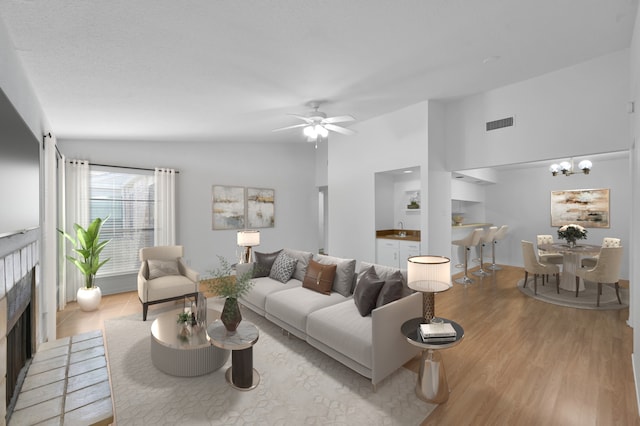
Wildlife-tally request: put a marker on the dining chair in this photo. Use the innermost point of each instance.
(533, 266)
(590, 262)
(500, 234)
(546, 256)
(471, 240)
(606, 271)
(486, 238)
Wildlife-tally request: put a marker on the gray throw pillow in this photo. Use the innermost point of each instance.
(391, 290)
(303, 258)
(366, 293)
(264, 262)
(345, 270)
(283, 268)
(160, 268)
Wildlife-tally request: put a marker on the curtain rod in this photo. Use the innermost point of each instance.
(125, 167)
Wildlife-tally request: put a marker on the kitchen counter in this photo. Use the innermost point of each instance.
(394, 234)
(471, 225)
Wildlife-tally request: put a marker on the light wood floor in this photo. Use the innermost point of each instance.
(522, 362)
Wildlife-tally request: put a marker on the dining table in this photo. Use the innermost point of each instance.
(571, 260)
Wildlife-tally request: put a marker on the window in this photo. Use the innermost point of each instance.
(127, 197)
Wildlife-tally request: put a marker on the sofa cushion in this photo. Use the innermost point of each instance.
(342, 328)
(385, 272)
(367, 290)
(262, 287)
(283, 268)
(161, 268)
(293, 306)
(303, 258)
(391, 290)
(319, 277)
(169, 286)
(345, 273)
(264, 262)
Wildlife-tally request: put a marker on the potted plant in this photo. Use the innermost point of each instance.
(87, 246)
(184, 323)
(222, 282)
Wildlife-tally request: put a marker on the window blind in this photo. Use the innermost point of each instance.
(127, 197)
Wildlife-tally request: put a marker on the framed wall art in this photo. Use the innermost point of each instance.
(228, 207)
(260, 208)
(585, 207)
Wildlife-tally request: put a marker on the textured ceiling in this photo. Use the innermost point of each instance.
(212, 70)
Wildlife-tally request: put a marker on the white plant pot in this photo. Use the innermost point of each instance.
(89, 298)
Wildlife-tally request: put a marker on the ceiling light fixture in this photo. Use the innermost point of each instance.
(566, 168)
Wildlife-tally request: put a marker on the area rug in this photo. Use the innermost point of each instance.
(299, 385)
(586, 299)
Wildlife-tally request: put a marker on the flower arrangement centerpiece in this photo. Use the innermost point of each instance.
(571, 233)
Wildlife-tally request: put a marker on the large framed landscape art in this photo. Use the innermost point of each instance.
(228, 206)
(586, 207)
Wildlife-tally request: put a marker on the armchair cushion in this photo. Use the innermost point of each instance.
(160, 268)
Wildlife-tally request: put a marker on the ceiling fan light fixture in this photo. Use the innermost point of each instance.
(310, 132)
(321, 130)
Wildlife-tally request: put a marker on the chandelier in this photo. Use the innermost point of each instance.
(566, 168)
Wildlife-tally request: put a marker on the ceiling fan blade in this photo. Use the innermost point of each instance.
(302, 117)
(338, 119)
(339, 129)
(290, 127)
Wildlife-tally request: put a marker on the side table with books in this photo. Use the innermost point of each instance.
(432, 383)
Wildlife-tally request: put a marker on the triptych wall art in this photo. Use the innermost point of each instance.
(239, 207)
(585, 207)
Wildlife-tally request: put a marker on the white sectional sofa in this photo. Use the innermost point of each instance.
(371, 345)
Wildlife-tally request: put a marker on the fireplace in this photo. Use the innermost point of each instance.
(20, 335)
(19, 332)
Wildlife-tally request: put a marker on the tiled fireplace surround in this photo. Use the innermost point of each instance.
(19, 255)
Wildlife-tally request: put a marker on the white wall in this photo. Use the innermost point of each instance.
(394, 141)
(634, 96)
(573, 111)
(288, 168)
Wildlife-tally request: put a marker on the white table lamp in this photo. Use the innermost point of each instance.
(248, 239)
(429, 274)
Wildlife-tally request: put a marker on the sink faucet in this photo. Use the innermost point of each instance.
(401, 225)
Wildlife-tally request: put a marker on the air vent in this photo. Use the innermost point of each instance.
(499, 124)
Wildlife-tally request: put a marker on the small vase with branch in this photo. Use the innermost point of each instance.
(222, 282)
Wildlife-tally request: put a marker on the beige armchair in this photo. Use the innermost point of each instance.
(164, 276)
(533, 266)
(606, 271)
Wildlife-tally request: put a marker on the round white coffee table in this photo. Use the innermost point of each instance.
(187, 357)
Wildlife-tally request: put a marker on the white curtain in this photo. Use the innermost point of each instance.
(165, 207)
(75, 184)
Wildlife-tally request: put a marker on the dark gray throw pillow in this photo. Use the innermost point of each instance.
(366, 293)
(264, 262)
(391, 290)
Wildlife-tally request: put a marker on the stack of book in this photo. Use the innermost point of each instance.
(437, 333)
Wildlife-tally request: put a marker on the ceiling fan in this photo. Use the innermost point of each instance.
(317, 125)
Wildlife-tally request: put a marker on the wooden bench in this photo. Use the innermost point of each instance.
(67, 383)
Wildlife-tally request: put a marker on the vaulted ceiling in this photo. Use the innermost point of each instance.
(216, 70)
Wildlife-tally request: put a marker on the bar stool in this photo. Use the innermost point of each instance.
(486, 238)
(467, 242)
(500, 234)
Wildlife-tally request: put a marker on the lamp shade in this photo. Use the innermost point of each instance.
(248, 238)
(431, 274)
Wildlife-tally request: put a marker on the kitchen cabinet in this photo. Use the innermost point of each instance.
(387, 252)
(394, 253)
